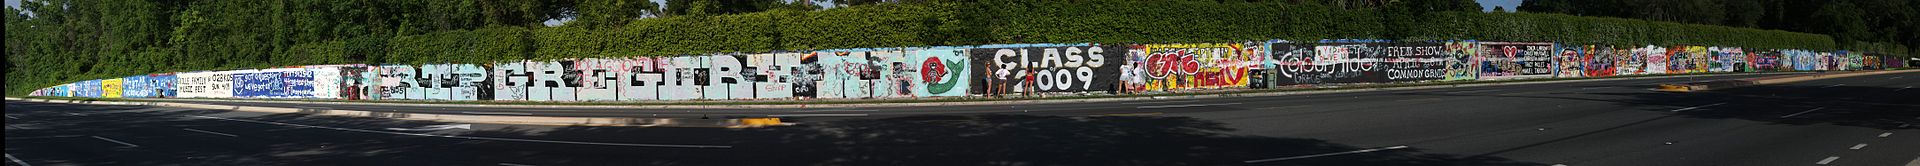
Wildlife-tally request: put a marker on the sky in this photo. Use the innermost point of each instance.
(1487, 5)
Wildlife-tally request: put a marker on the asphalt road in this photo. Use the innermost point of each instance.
(1845, 121)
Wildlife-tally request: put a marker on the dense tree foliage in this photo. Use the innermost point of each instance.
(1889, 26)
(58, 41)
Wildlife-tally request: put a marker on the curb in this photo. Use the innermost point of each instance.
(963, 103)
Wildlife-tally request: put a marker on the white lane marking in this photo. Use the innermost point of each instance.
(1160, 102)
(11, 117)
(1697, 107)
(116, 141)
(837, 111)
(1328, 154)
(1472, 91)
(1834, 85)
(498, 113)
(1422, 99)
(512, 164)
(74, 114)
(17, 160)
(1915, 162)
(1828, 160)
(209, 132)
(469, 137)
(815, 115)
(1903, 88)
(1857, 147)
(1897, 77)
(1884, 135)
(1802, 112)
(1186, 105)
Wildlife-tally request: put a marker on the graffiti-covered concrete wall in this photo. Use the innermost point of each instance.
(985, 70)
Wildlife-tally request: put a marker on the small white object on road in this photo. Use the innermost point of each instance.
(1884, 135)
(1828, 160)
(116, 141)
(209, 132)
(1186, 105)
(1327, 154)
(1857, 147)
(1697, 107)
(17, 160)
(1802, 112)
(11, 117)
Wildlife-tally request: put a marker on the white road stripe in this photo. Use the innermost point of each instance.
(1857, 147)
(1421, 99)
(1697, 107)
(1802, 112)
(1828, 160)
(837, 111)
(1884, 135)
(1472, 91)
(1159, 102)
(498, 113)
(815, 115)
(1187, 105)
(11, 117)
(116, 141)
(209, 132)
(469, 137)
(1328, 154)
(74, 114)
(17, 160)
(1903, 88)
(1915, 162)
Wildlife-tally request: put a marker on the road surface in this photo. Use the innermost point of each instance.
(1845, 121)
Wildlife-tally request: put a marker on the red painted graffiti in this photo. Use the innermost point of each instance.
(1159, 65)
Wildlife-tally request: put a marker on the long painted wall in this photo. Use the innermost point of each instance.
(987, 70)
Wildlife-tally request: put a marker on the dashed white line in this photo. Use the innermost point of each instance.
(1884, 135)
(1828, 160)
(74, 114)
(816, 115)
(1328, 154)
(17, 160)
(469, 137)
(1159, 102)
(1186, 105)
(1802, 112)
(1473, 91)
(116, 141)
(498, 113)
(1857, 147)
(1697, 107)
(210, 132)
(837, 111)
(11, 117)
(1421, 99)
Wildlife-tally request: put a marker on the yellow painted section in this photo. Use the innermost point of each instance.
(1220, 65)
(110, 88)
